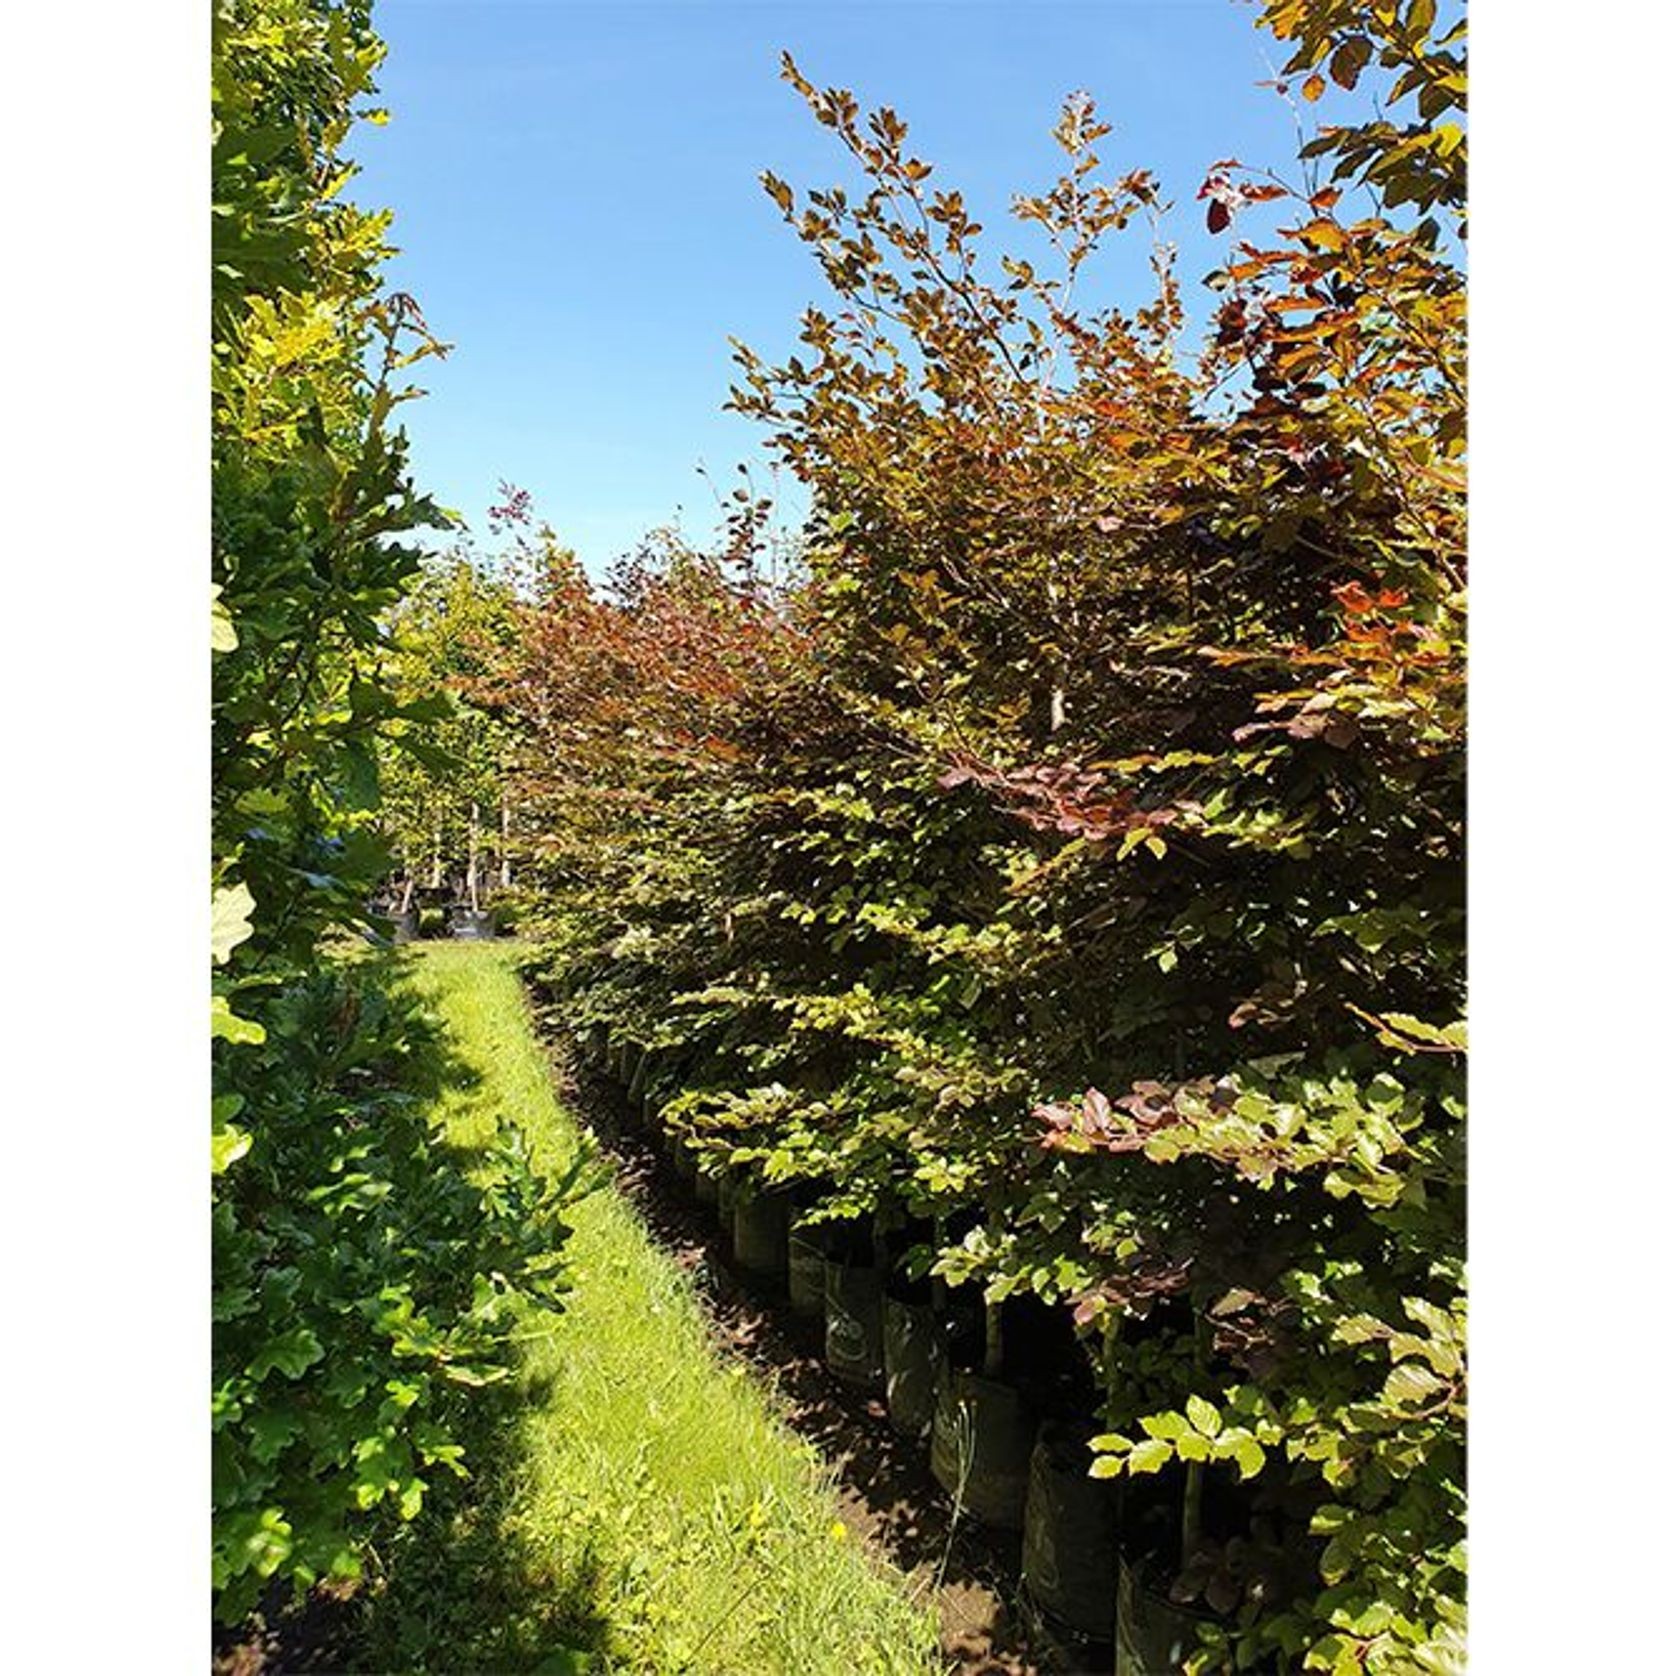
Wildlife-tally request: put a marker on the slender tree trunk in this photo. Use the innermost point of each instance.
(505, 843)
(1193, 1492)
(994, 1350)
(471, 859)
(1056, 697)
(1192, 1501)
(436, 853)
(994, 1347)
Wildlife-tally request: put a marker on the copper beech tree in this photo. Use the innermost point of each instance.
(1071, 855)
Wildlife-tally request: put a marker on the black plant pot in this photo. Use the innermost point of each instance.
(759, 1234)
(980, 1448)
(685, 1162)
(473, 925)
(727, 1196)
(855, 1326)
(1070, 1535)
(806, 1272)
(911, 1363)
(1153, 1632)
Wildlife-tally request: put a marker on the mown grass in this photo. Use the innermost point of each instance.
(636, 1504)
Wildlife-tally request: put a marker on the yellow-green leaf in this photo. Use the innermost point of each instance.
(1150, 1455)
(223, 636)
(227, 1026)
(227, 1146)
(1204, 1416)
(230, 909)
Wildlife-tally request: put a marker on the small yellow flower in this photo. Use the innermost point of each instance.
(839, 1532)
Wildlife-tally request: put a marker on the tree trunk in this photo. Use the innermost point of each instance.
(994, 1350)
(1192, 1501)
(1193, 1492)
(471, 860)
(505, 843)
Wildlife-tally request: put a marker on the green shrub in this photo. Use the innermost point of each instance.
(364, 1286)
(360, 1284)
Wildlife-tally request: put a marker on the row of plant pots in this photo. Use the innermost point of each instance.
(459, 921)
(1008, 1456)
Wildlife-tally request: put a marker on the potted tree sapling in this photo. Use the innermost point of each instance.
(983, 1431)
(404, 915)
(912, 1362)
(468, 920)
(409, 825)
(1201, 1535)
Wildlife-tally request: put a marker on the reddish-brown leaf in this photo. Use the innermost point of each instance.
(1349, 60)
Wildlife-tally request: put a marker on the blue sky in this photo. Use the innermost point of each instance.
(577, 206)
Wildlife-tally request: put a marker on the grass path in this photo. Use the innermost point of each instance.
(637, 1504)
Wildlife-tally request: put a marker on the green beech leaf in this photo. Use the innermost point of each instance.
(1204, 1416)
(1410, 1383)
(1164, 1425)
(1150, 1455)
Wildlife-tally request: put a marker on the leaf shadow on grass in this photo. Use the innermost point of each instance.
(461, 1588)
